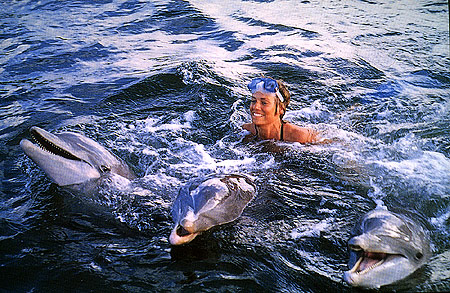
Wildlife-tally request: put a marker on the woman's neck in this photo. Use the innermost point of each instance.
(271, 131)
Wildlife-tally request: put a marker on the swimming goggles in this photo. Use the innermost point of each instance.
(265, 85)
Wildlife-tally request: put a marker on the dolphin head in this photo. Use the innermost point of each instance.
(216, 201)
(70, 158)
(385, 248)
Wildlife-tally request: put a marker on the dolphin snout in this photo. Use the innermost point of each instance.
(180, 236)
(356, 244)
(188, 225)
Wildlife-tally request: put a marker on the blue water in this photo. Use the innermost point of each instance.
(162, 84)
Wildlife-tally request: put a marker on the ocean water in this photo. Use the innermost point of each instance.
(162, 84)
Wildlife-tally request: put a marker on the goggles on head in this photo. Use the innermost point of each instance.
(265, 85)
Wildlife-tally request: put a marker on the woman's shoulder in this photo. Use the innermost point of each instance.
(296, 133)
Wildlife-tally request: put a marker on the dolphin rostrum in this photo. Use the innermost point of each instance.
(213, 202)
(70, 158)
(385, 247)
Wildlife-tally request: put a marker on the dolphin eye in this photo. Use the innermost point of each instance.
(105, 168)
(419, 255)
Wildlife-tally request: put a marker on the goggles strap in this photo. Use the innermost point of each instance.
(260, 87)
(279, 95)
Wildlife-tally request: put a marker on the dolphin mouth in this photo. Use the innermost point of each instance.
(369, 260)
(182, 232)
(50, 147)
(181, 236)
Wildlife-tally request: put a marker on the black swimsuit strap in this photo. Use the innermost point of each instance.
(281, 131)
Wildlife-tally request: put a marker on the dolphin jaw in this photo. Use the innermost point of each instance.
(370, 262)
(180, 235)
(47, 145)
(58, 163)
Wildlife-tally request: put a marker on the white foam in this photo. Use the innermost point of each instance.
(206, 162)
(240, 114)
(326, 211)
(95, 267)
(152, 125)
(190, 116)
(377, 195)
(315, 110)
(149, 152)
(404, 159)
(232, 164)
(430, 165)
(161, 179)
(311, 230)
(426, 168)
(120, 183)
(205, 157)
(440, 221)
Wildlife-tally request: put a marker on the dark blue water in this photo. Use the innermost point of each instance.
(162, 84)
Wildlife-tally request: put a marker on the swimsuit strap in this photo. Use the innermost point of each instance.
(281, 131)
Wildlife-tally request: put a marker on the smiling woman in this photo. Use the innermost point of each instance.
(270, 99)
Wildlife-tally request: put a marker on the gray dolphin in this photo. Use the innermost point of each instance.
(385, 248)
(70, 158)
(213, 202)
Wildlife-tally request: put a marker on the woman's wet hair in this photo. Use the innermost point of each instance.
(286, 95)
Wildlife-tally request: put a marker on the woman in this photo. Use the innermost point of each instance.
(270, 99)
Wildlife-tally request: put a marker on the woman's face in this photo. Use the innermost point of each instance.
(263, 108)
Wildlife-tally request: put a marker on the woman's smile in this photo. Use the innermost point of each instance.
(257, 114)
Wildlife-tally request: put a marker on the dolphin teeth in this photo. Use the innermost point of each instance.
(379, 258)
(356, 266)
(370, 268)
(52, 148)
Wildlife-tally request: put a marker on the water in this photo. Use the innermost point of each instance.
(163, 85)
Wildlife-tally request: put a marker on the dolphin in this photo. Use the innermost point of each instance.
(70, 158)
(385, 248)
(215, 201)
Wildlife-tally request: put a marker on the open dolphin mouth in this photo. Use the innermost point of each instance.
(180, 235)
(50, 147)
(182, 232)
(369, 260)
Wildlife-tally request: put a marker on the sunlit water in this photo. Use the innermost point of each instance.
(162, 84)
